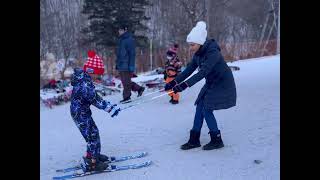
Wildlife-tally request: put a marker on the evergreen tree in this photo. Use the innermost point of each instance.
(105, 16)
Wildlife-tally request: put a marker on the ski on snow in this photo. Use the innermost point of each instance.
(112, 159)
(111, 168)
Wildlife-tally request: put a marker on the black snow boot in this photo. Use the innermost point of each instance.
(216, 141)
(174, 102)
(193, 142)
(125, 100)
(140, 91)
(94, 166)
(171, 99)
(103, 158)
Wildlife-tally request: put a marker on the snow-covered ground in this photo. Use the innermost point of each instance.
(147, 78)
(251, 131)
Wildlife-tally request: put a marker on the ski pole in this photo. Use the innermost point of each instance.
(141, 97)
(141, 102)
(152, 93)
(148, 100)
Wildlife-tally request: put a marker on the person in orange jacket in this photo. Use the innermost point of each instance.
(172, 69)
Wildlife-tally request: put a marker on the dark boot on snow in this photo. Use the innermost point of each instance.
(216, 141)
(194, 141)
(103, 158)
(90, 165)
(125, 100)
(174, 102)
(140, 91)
(100, 157)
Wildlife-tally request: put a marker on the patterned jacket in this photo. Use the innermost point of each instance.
(173, 65)
(84, 95)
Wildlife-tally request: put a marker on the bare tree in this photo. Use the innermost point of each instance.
(60, 24)
(67, 36)
(238, 25)
(194, 9)
(273, 26)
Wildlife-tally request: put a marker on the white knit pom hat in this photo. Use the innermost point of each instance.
(198, 33)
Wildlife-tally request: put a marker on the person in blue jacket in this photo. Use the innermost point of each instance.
(84, 95)
(125, 63)
(218, 92)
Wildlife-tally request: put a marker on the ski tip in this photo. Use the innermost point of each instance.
(62, 177)
(61, 171)
(56, 178)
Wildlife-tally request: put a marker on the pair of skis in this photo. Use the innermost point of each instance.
(111, 167)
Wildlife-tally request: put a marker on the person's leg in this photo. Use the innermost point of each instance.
(215, 135)
(175, 96)
(194, 140)
(134, 86)
(125, 79)
(210, 120)
(169, 79)
(90, 132)
(84, 126)
(94, 144)
(198, 118)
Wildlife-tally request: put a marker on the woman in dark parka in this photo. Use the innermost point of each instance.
(219, 91)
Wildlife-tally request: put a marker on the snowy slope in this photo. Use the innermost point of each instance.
(251, 131)
(147, 78)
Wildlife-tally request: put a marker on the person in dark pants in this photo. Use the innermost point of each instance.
(219, 91)
(125, 63)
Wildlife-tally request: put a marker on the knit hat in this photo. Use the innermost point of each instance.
(91, 53)
(198, 33)
(94, 65)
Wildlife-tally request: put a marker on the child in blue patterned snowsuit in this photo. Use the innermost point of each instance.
(84, 95)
